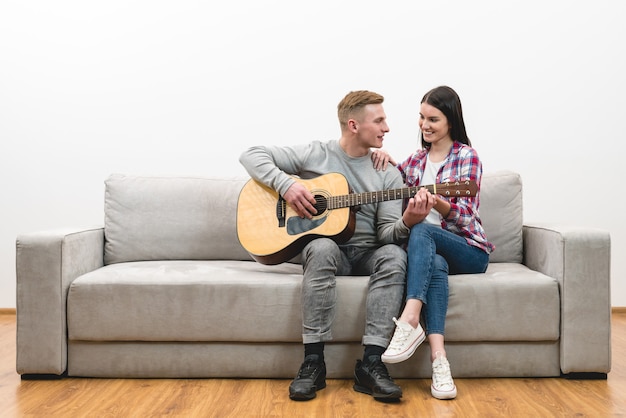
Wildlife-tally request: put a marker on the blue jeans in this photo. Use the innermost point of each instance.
(433, 253)
(323, 259)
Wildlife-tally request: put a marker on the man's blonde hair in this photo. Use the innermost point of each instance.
(354, 102)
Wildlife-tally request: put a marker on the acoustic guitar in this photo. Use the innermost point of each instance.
(270, 230)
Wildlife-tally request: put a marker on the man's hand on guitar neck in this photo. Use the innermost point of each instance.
(301, 200)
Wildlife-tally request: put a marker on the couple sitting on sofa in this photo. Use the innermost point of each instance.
(443, 235)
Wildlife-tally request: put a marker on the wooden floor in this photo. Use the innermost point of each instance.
(521, 397)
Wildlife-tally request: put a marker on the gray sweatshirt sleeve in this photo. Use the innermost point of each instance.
(390, 228)
(273, 166)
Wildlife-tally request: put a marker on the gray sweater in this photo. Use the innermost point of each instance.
(376, 223)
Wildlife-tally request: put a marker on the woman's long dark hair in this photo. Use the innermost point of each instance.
(448, 102)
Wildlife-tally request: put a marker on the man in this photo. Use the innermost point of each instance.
(372, 250)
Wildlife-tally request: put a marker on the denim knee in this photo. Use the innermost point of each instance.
(321, 251)
(391, 262)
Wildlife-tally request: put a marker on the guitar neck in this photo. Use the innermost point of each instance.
(458, 189)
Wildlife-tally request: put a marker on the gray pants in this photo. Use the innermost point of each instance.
(323, 259)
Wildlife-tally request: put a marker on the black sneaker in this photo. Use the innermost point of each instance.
(311, 377)
(373, 379)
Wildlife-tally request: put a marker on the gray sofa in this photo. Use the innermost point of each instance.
(165, 290)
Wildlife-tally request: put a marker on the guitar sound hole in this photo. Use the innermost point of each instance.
(321, 204)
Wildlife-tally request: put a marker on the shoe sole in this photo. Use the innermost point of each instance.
(368, 391)
(443, 395)
(306, 396)
(407, 354)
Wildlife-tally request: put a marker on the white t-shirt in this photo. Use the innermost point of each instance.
(430, 177)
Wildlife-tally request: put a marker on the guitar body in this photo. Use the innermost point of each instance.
(273, 233)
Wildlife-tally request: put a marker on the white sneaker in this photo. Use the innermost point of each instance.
(405, 341)
(443, 386)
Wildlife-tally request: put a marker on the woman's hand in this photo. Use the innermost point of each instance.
(418, 207)
(381, 159)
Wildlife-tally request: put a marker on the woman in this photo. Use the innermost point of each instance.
(448, 240)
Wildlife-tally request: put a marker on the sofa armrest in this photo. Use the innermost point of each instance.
(46, 265)
(579, 259)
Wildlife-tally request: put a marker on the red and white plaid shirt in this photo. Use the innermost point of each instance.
(461, 164)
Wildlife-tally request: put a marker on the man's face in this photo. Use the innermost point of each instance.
(372, 126)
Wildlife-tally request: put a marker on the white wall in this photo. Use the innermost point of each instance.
(156, 87)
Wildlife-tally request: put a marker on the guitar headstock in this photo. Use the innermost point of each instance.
(464, 188)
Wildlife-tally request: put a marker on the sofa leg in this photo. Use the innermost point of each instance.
(585, 375)
(41, 376)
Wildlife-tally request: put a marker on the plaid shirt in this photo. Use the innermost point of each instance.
(461, 164)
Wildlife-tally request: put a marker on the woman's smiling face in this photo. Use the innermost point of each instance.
(433, 124)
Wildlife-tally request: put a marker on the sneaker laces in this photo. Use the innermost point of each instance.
(378, 369)
(400, 335)
(308, 368)
(442, 376)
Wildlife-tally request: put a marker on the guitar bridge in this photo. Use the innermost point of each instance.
(281, 211)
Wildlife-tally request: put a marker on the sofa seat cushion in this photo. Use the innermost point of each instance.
(510, 302)
(244, 301)
(186, 300)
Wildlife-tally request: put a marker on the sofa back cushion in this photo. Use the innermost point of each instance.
(194, 218)
(501, 212)
(171, 218)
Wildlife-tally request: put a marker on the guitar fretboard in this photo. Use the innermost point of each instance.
(356, 199)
